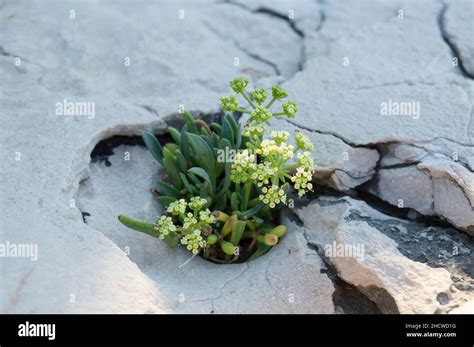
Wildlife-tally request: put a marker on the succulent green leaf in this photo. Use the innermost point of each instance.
(181, 161)
(203, 174)
(205, 191)
(141, 226)
(217, 128)
(214, 141)
(189, 120)
(227, 247)
(227, 131)
(153, 146)
(191, 190)
(232, 122)
(169, 162)
(194, 179)
(165, 201)
(203, 155)
(221, 202)
(184, 145)
(234, 201)
(225, 184)
(169, 190)
(237, 232)
(251, 212)
(171, 240)
(175, 134)
(172, 147)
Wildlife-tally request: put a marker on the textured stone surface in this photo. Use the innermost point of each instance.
(305, 15)
(343, 87)
(427, 161)
(458, 30)
(286, 280)
(432, 186)
(82, 60)
(384, 270)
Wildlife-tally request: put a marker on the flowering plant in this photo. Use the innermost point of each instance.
(223, 207)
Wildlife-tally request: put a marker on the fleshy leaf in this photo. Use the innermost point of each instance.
(153, 145)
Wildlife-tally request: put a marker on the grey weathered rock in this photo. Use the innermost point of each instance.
(46, 155)
(359, 243)
(342, 18)
(305, 15)
(342, 92)
(457, 27)
(432, 186)
(286, 280)
(138, 64)
(260, 39)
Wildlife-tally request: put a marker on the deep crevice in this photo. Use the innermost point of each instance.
(346, 297)
(270, 12)
(275, 14)
(259, 58)
(105, 148)
(331, 133)
(454, 49)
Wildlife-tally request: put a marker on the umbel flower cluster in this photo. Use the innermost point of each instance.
(225, 210)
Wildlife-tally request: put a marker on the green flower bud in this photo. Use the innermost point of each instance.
(229, 103)
(228, 248)
(259, 95)
(305, 144)
(278, 92)
(239, 84)
(193, 241)
(279, 136)
(196, 203)
(290, 108)
(177, 207)
(302, 180)
(273, 196)
(164, 226)
(261, 114)
(211, 239)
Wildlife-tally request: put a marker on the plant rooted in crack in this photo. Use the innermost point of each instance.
(224, 184)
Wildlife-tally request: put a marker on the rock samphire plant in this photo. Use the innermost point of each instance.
(225, 183)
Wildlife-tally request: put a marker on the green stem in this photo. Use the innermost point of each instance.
(275, 180)
(270, 103)
(245, 201)
(242, 110)
(277, 114)
(246, 97)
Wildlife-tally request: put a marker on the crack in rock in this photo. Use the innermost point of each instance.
(253, 55)
(347, 222)
(269, 12)
(452, 46)
(324, 132)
